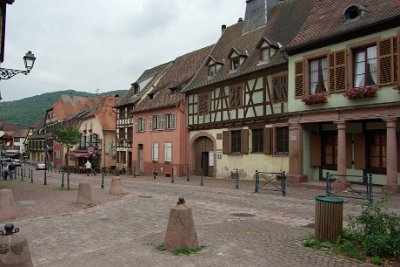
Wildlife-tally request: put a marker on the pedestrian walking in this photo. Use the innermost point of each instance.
(11, 169)
(88, 167)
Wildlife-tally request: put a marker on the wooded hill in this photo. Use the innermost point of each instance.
(28, 110)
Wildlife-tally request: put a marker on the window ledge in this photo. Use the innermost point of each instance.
(280, 154)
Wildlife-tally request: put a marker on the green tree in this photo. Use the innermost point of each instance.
(69, 136)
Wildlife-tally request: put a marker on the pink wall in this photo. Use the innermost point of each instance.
(178, 138)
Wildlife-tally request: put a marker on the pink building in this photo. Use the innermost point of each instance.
(160, 135)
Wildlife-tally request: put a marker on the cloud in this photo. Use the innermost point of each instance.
(86, 45)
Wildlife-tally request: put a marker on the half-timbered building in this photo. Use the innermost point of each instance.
(237, 102)
(344, 97)
(160, 136)
(124, 124)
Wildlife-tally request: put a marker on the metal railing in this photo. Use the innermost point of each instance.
(273, 181)
(346, 189)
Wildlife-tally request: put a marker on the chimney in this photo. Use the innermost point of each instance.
(240, 20)
(223, 28)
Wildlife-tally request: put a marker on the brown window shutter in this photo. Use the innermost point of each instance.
(337, 71)
(299, 79)
(267, 141)
(315, 150)
(398, 151)
(359, 151)
(386, 62)
(349, 150)
(396, 59)
(225, 142)
(245, 141)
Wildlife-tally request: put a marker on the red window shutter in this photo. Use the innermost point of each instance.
(225, 142)
(299, 79)
(267, 141)
(359, 151)
(386, 61)
(245, 141)
(337, 71)
(349, 150)
(315, 150)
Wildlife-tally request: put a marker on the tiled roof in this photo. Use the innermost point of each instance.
(153, 74)
(327, 21)
(9, 126)
(283, 24)
(177, 76)
(67, 105)
(102, 108)
(20, 133)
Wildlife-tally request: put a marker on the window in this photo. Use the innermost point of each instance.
(136, 88)
(318, 76)
(168, 152)
(280, 87)
(121, 133)
(282, 140)
(130, 133)
(329, 149)
(121, 114)
(157, 122)
(257, 140)
(235, 96)
(235, 63)
(170, 121)
(365, 66)
(236, 141)
(377, 151)
(212, 70)
(266, 54)
(203, 104)
(154, 152)
(141, 124)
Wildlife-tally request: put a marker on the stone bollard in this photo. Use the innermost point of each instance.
(116, 186)
(181, 232)
(14, 249)
(84, 194)
(7, 205)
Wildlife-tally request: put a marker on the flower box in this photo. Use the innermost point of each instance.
(319, 98)
(362, 92)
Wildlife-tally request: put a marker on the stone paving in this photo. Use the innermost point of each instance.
(124, 230)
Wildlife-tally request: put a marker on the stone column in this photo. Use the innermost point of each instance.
(296, 174)
(391, 156)
(341, 150)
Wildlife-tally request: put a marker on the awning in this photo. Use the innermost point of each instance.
(80, 154)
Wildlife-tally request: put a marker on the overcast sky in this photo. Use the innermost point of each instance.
(104, 45)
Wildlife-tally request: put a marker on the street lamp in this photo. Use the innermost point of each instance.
(29, 60)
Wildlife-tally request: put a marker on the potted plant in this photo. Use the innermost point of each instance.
(362, 92)
(318, 98)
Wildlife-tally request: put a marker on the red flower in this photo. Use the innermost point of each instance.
(315, 99)
(362, 92)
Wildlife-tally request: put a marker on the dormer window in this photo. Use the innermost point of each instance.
(266, 54)
(136, 88)
(174, 90)
(213, 67)
(354, 12)
(236, 58)
(235, 63)
(267, 50)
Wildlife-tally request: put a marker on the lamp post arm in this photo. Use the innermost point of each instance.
(6, 74)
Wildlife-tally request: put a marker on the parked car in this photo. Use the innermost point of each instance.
(40, 166)
(17, 162)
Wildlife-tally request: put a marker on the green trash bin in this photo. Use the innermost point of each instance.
(328, 218)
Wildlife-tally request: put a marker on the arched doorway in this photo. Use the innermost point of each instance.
(204, 156)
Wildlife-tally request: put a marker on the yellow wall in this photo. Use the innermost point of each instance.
(247, 164)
